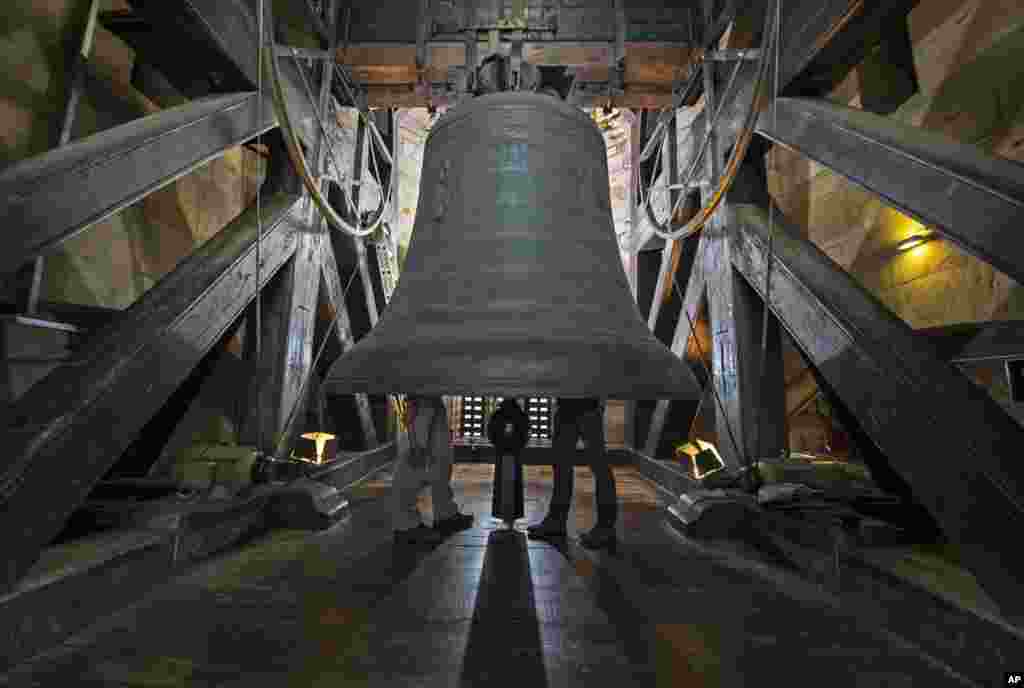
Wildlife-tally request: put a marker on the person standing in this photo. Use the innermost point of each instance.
(425, 455)
(509, 431)
(575, 418)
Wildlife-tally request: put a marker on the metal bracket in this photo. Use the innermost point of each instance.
(730, 54)
(305, 53)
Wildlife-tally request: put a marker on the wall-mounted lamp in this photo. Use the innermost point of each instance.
(914, 241)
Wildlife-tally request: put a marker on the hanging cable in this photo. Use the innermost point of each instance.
(652, 186)
(724, 19)
(294, 148)
(699, 158)
(377, 150)
(739, 150)
(323, 130)
(259, 230)
(646, 199)
(771, 222)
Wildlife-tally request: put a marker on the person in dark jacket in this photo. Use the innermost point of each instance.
(575, 418)
(508, 431)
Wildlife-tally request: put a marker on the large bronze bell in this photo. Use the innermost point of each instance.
(513, 284)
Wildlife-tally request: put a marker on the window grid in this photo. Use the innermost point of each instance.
(473, 426)
(538, 410)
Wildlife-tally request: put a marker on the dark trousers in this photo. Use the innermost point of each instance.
(502, 460)
(590, 426)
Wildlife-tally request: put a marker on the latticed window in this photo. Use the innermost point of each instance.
(473, 424)
(473, 413)
(539, 410)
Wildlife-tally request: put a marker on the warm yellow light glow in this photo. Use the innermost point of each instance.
(321, 439)
(693, 448)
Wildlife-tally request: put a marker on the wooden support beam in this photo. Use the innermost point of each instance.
(747, 396)
(289, 311)
(720, 283)
(377, 64)
(211, 46)
(988, 342)
(694, 296)
(327, 265)
(953, 444)
(63, 435)
(972, 198)
(389, 72)
(335, 289)
(800, 392)
(635, 96)
(824, 39)
(744, 389)
(50, 198)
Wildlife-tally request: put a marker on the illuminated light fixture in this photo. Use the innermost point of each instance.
(914, 241)
(703, 456)
(321, 439)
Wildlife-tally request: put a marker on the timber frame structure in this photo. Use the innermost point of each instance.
(78, 420)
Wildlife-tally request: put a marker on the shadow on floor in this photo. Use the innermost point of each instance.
(506, 629)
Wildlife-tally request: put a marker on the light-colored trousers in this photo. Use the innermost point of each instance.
(407, 481)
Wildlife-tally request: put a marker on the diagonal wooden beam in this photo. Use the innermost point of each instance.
(949, 440)
(824, 39)
(63, 435)
(692, 300)
(990, 342)
(343, 331)
(974, 199)
(48, 199)
(731, 411)
(748, 398)
(800, 392)
(284, 381)
(289, 309)
(209, 46)
(751, 401)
